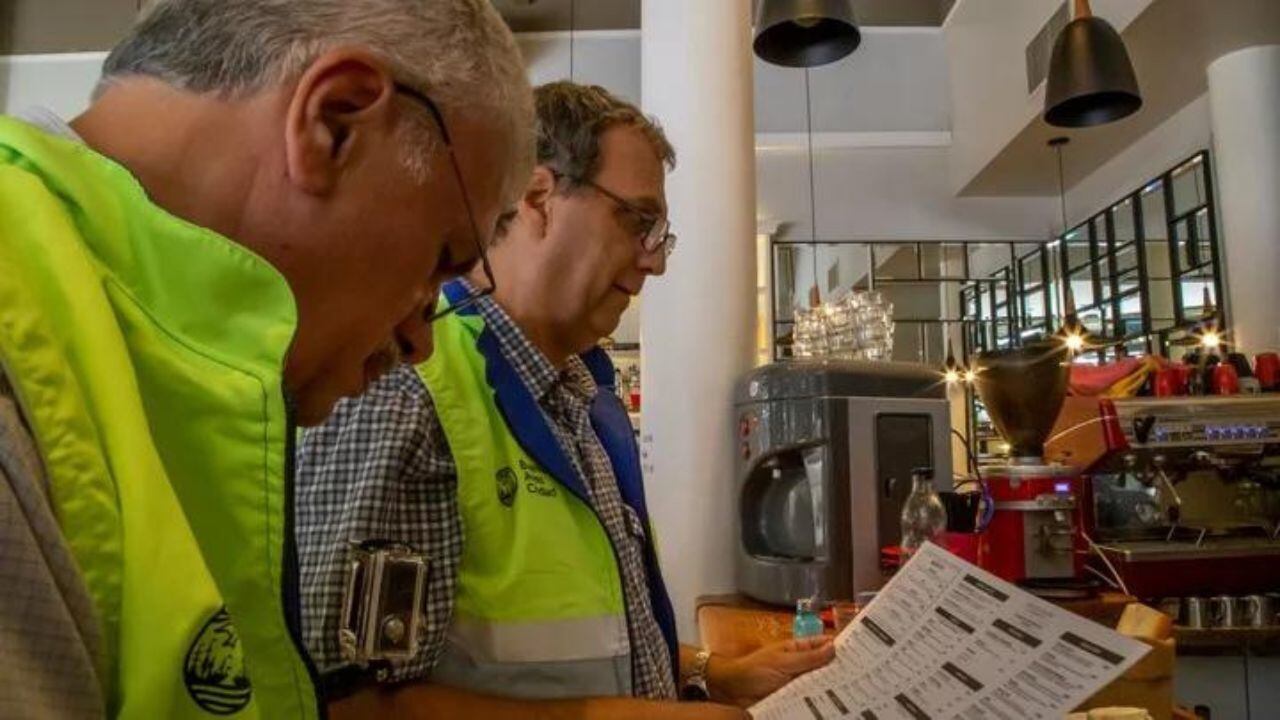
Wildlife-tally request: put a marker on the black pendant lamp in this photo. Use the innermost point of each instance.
(805, 33)
(1091, 80)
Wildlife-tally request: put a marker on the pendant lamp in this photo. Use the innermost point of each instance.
(805, 33)
(1091, 80)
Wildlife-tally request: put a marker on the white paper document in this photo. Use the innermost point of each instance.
(946, 639)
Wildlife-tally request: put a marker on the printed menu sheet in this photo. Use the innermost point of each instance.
(946, 639)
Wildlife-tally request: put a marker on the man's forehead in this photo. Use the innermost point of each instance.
(630, 166)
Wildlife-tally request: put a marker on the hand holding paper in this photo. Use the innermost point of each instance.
(946, 639)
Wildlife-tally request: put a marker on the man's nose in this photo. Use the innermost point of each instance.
(652, 263)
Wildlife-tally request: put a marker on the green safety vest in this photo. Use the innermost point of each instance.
(146, 355)
(539, 609)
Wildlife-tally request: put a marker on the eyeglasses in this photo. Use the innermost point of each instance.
(475, 294)
(654, 230)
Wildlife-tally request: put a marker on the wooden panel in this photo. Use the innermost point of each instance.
(51, 26)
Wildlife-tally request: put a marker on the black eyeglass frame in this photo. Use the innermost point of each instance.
(483, 257)
(666, 239)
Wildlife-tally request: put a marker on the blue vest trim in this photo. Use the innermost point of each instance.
(612, 425)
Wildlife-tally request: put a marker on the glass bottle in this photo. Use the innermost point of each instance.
(923, 516)
(633, 390)
(807, 623)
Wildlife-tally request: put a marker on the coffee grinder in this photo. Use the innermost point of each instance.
(1034, 536)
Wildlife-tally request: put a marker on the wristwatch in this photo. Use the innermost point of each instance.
(694, 686)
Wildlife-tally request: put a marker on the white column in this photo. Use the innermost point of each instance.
(697, 321)
(1244, 106)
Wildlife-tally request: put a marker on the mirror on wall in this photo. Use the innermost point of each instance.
(923, 280)
(1140, 269)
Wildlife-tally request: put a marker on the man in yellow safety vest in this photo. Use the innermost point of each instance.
(251, 220)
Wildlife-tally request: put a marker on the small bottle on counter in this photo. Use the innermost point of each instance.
(807, 623)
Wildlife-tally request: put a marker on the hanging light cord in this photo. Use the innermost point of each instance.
(1062, 190)
(813, 203)
(572, 21)
(1062, 204)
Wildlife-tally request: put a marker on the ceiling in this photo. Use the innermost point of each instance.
(1171, 43)
(553, 15)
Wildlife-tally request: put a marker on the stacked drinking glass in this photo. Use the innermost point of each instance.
(857, 326)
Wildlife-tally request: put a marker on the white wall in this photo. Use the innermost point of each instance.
(882, 120)
(886, 193)
(61, 82)
(609, 58)
(895, 81)
(1181, 136)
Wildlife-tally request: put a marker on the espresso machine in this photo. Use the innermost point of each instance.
(1184, 493)
(826, 449)
(1033, 538)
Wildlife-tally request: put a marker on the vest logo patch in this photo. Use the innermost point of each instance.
(536, 482)
(214, 668)
(507, 486)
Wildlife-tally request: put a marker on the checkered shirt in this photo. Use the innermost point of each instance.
(381, 468)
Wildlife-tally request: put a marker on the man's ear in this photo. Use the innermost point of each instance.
(537, 193)
(542, 184)
(343, 98)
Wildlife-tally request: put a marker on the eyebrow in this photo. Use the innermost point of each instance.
(647, 203)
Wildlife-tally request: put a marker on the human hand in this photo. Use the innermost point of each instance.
(745, 680)
(712, 711)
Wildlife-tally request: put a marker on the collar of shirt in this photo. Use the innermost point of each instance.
(532, 365)
(48, 121)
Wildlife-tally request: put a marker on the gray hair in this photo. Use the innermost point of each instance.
(570, 120)
(459, 52)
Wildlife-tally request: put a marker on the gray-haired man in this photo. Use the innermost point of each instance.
(509, 466)
(252, 220)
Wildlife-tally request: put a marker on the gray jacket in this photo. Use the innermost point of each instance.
(48, 627)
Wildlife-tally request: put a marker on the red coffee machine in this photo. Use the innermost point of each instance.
(1034, 536)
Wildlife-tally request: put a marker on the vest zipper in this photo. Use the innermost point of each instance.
(290, 579)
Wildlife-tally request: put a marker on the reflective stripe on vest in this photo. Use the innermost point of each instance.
(539, 610)
(146, 355)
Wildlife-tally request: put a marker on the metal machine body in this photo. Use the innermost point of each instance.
(1184, 492)
(825, 454)
(1034, 532)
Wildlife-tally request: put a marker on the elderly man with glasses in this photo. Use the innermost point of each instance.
(252, 219)
(473, 530)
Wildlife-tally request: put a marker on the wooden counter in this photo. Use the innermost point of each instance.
(735, 625)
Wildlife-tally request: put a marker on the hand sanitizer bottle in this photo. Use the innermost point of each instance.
(807, 622)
